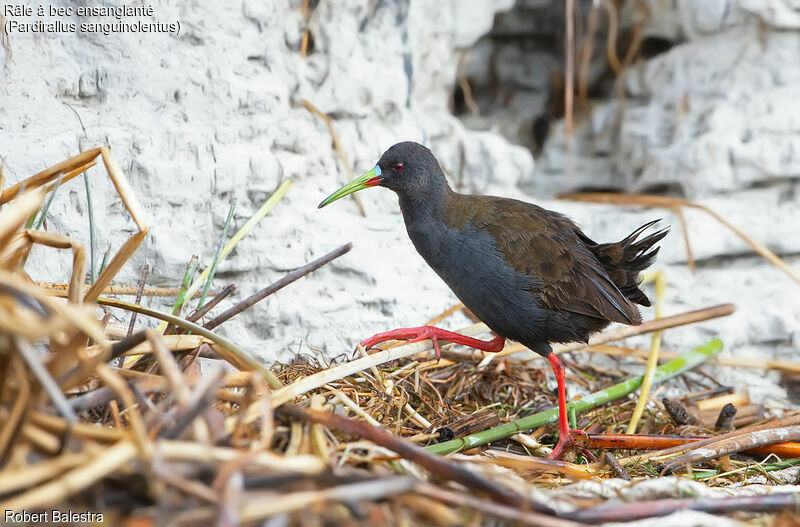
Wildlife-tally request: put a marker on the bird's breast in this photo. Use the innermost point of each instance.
(471, 265)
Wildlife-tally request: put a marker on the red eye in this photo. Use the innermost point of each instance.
(398, 167)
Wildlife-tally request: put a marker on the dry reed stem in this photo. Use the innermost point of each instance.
(137, 426)
(169, 367)
(62, 317)
(77, 479)
(672, 203)
(81, 430)
(15, 216)
(318, 442)
(337, 145)
(30, 237)
(76, 165)
(17, 478)
(722, 360)
(463, 82)
(569, 71)
(306, 12)
(535, 464)
(682, 319)
(514, 514)
(227, 350)
(432, 463)
(173, 450)
(252, 510)
(173, 342)
(652, 357)
(119, 290)
(306, 384)
(14, 419)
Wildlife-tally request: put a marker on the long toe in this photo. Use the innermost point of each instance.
(395, 334)
(564, 442)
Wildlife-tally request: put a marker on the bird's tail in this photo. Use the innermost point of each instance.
(624, 260)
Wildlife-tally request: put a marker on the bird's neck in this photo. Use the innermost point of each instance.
(426, 206)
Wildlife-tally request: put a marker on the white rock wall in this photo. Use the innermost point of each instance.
(216, 112)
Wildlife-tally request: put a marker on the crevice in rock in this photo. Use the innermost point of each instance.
(512, 80)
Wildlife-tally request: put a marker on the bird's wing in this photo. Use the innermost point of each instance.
(547, 247)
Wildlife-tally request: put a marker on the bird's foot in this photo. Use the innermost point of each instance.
(565, 441)
(435, 335)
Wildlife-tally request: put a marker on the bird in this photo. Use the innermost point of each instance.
(529, 273)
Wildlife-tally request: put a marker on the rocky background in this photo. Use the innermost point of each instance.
(706, 109)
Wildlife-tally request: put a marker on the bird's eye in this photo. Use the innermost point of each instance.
(398, 167)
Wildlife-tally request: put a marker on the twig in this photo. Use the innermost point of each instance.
(46, 381)
(661, 442)
(725, 418)
(671, 452)
(201, 398)
(512, 514)
(618, 469)
(199, 313)
(678, 413)
(253, 510)
(228, 350)
(648, 509)
(276, 286)
(682, 319)
(663, 372)
(430, 462)
(730, 445)
(530, 464)
(82, 476)
(139, 289)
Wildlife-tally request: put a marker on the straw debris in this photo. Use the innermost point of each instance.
(190, 428)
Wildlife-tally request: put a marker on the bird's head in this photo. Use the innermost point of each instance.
(408, 168)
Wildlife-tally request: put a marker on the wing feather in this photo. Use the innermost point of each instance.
(550, 250)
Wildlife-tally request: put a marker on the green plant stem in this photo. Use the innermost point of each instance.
(234, 354)
(47, 204)
(238, 235)
(217, 255)
(103, 263)
(772, 467)
(674, 367)
(92, 236)
(187, 280)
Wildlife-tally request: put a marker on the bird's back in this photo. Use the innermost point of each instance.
(530, 273)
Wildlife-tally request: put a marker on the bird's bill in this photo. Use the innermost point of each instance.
(370, 179)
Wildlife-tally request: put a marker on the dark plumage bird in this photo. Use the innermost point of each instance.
(529, 273)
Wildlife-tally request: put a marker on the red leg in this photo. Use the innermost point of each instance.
(435, 334)
(564, 431)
